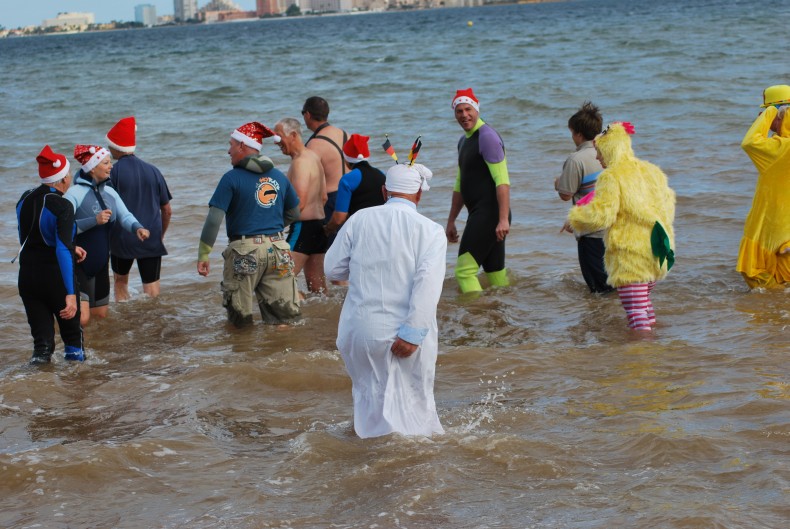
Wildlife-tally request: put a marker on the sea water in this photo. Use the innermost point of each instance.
(556, 414)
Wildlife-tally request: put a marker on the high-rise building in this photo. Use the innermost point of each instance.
(220, 5)
(185, 10)
(145, 14)
(267, 7)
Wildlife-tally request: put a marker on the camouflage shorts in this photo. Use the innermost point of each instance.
(262, 270)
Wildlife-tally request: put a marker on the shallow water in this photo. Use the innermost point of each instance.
(556, 415)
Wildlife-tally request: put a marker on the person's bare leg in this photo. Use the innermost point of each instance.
(121, 285)
(151, 289)
(314, 274)
(299, 261)
(85, 313)
(100, 312)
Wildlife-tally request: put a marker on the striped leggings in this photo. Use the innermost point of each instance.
(638, 307)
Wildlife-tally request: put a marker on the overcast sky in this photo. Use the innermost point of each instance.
(16, 13)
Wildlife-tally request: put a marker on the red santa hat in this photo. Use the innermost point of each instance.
(89, 156)
(466, 96)
(51, 165)
(251, 134)
(122, 135)
(356, 149)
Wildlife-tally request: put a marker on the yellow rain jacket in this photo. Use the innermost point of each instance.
(764, 256)
(630, 196)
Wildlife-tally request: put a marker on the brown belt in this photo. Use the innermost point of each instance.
(257, 239)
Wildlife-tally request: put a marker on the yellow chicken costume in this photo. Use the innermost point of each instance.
(631, 196)
(764, 256)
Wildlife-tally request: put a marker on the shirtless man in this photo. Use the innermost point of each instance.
(327, 142)
(307, 239)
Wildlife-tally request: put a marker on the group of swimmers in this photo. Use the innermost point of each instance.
(72, 232)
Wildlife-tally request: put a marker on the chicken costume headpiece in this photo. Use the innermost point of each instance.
(614, 143)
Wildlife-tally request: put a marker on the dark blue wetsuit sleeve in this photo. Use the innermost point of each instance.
(57, 229)
(345, 188)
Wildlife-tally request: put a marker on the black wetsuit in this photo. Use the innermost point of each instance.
(368, 193)
(478, 191)
(47, 268)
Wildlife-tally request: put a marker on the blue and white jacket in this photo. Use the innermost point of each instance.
(89, 199)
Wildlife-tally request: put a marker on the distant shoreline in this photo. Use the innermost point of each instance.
(21, 32)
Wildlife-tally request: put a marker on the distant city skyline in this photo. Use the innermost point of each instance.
(21, 13)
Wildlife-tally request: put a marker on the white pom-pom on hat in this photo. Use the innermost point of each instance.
(356, 149)
(89, 156)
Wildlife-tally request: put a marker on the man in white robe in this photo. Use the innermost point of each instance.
(395, 260)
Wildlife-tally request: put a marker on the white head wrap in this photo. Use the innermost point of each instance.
(408, 179)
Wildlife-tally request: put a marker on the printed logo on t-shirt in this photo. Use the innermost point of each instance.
(267, 191)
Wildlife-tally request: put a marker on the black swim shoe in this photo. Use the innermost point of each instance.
(39, 359)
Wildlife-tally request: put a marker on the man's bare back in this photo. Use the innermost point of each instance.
(307, 176)
(331, 155)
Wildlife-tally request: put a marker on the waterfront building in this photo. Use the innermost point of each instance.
(326, 6)
(221, 5)
(185, 10)
(224, 11)
(70, 20)
(265, 8)
(145, 14)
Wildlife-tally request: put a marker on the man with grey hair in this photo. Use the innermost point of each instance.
(257, 202)
(394, 260)
(307, 238)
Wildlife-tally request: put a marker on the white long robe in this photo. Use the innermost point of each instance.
(395, 260)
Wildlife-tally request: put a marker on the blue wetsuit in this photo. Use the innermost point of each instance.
(360, 188)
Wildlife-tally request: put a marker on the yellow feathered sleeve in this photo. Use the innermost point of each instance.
(764, 150)
(766, 232)
(601, 212)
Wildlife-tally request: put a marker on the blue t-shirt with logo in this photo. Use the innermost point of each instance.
(254, 203)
